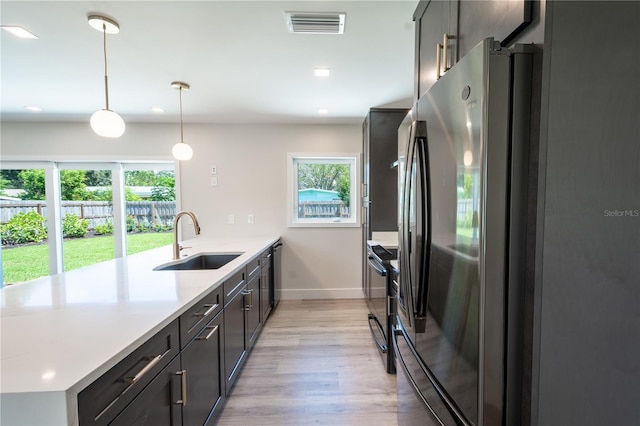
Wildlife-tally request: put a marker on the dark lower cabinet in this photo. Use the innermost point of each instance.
(252, 310)
(159, 404)
(183, 374)
(234, 338)
(266, 288)
(105, 398)
(202, 360)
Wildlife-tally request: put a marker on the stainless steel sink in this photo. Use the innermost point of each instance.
(198, 262)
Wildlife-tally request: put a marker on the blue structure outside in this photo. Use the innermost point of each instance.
(312, 194)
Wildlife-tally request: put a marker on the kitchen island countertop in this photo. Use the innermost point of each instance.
(60, 333)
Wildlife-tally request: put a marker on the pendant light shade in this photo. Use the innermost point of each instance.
(181, 150)
(105, 122)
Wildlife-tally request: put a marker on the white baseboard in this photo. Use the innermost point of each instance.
(322, 293)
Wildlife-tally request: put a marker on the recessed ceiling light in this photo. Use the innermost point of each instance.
(33, 108)
(323, 111)
(18, 31)
(157, 109)
(321, 72)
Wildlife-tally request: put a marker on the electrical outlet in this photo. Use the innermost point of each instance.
(231, 219)
(214, 170)
(250, 218)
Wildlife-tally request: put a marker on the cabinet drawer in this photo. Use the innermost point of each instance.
(266, 258)
(192, 321)
(253, 267)
(100, 402)
(233, 285)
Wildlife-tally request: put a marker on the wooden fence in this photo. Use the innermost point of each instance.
(316, 209)
(97, 212)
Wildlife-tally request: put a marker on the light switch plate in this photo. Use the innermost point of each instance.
(214, 181)
(231, 219)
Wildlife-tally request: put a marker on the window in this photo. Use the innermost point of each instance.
(322, 190)
(54, 207)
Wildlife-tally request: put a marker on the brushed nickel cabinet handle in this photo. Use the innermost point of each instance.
(213, 330)
(445, 49)
(248, 293)
(152, 361)
(183, 387)
(445, 52)
(438, 61)
(212, 307)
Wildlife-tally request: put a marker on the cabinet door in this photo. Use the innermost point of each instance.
(158, 404)
(500, 19)
(234, 339)
(202, 359)
(433, 20)
(252, 310)
(265, 289)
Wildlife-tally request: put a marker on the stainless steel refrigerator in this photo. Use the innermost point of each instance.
(463, 181)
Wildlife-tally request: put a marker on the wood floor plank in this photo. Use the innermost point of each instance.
(314, 364)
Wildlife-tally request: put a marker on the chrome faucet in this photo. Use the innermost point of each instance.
(176, 246)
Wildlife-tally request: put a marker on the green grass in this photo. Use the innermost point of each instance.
(28, 262)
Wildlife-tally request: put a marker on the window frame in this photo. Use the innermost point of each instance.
(293, 159)
(53, 199)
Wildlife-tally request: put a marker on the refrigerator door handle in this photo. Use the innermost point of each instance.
(424, 222)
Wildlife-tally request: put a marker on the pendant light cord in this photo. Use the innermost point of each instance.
(181, 134)
(106, 84)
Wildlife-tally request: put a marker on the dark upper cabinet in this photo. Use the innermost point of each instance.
(433, 20)
(447, 30)
(502, 20)
(380, 147)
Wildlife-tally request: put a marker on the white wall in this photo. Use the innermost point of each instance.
(251, 163)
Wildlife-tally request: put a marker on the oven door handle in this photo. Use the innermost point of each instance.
(373, 324)
(378, 268)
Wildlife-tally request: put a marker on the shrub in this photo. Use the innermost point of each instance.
(74, 227)
(24, 228)
(159, 227)
(143, 227)
(104, 229)
(131, 223)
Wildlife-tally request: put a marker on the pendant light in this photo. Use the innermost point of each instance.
(181, 150)
(106, 122)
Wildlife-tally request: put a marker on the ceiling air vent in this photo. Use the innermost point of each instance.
(315, 22)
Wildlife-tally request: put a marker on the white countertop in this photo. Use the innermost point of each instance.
(387, 240)
(60, 333)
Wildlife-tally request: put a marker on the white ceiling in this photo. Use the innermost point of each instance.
(240, 60)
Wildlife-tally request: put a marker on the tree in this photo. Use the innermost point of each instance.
(165, 188)
(322, 176)
(12, 177)
(33, 184)
(98, 178)
(71, 183)
(140, 178)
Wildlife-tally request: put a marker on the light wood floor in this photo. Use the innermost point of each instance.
(314, 363)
